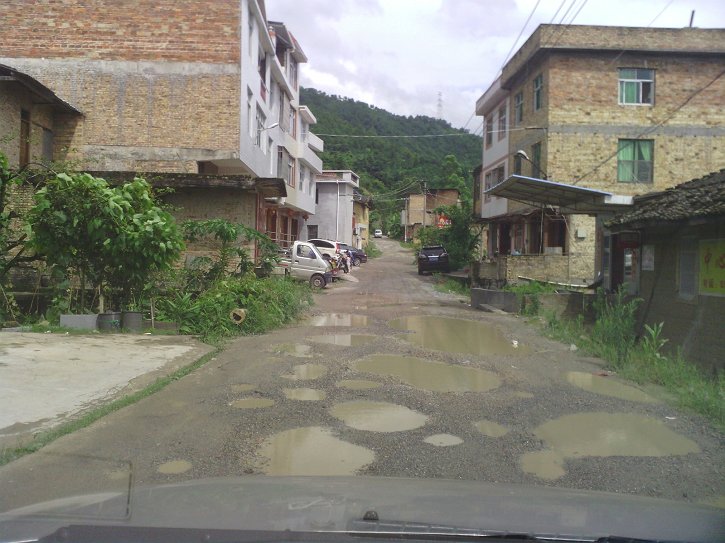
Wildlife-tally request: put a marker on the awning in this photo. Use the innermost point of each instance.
(568, 198)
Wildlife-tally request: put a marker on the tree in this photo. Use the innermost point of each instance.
(460, 239)
(105, 234)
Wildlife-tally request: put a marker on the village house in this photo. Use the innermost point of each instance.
(420, 210)
(335, 192)
(206, 90)
(620, 110)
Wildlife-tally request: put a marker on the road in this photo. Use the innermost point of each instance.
(355, 389)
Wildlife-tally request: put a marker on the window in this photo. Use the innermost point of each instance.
(502, 122)
(538, 91)
(260, 128)
(312, 231)
(517, 165)
(519, 108)
(489, 132)
(251, 34)
(536, 159)
(250, 117)
(24, 137)
(283, 165)
(493, 178)
(636, 86)
(47, 145)
(634, 161)
(687, 270)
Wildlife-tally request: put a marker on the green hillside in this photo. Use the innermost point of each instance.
(389, 164)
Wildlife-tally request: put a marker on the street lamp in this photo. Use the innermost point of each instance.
(522, 154)
(273, 125)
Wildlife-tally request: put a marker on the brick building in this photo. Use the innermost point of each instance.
(204, 87)
(419, 210)
(624, 110)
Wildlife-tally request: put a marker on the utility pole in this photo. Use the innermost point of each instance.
(425, 201)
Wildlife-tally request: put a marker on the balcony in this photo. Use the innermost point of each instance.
(315, 143)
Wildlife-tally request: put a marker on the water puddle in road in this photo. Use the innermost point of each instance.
(490, 428)
(607, 387)
(378, 416)
(312, 451)
(338, 319)
(242, 387)
(456, 335)
(428, 375)
(304, 394)
(601, 434)
(524, 395)
(443, 440)
(299, 350)
(174, 467)
(344, 340)
(357, 384)
(306, 372)
(252, 403)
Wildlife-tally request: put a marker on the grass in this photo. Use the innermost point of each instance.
(372, 250)
(448, 285)
(642, 362)
(44, 438)
(407, 245)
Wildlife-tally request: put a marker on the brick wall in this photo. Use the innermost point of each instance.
(169, 30)
(157, 81)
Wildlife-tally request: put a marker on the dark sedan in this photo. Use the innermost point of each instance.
(433, 258)
(358, 255)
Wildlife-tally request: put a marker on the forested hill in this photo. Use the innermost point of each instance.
(390, 163)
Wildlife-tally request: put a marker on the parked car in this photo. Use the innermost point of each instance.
(433, 258)
(326, 246)
(305, 262)
(358, 255)
(378, 234)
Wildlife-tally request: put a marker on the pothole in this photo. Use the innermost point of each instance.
(306, 372)
(304, 394)
(242, 387)
(607, 387)
(602, 434)
(338, 319)
(456, 336)
(443, 440)
(428, 375)
(252, 403)
(311, 451)
(490, 428)
(298, 350)
(344, 340)
(378, 416)
(174, 467)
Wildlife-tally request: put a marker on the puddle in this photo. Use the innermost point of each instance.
(427, 375)
(304, 394)
(378, 416)
(299, 350)
(456, 335)
(252, 403)
(344, 340)
(490, 428)
(524, 395)
(312, 451)
(242, 387)
(174, 467)
(338, 319)
(443, 440)
(358, 384)
(601, 434)
(306, 372)
(607, 387)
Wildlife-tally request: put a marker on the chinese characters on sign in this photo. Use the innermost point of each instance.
(712, 267)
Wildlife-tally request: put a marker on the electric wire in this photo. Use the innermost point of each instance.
(516, 41)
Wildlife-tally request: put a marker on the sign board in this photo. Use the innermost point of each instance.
(712, 267)
(443, 221)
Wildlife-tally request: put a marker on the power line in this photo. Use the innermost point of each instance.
(516, 41)
(402, 136)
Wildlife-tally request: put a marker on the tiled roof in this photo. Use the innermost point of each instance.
(703, 197)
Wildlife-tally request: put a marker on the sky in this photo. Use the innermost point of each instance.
(402, 55)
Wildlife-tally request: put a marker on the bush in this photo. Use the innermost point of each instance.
(528, 296)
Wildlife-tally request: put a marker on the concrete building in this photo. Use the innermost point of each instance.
(334, 194)
(361, 220)
(623, 110)
(207, 87)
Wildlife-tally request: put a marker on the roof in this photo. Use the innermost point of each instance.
(699, 198)
(569, 198)
(269, 187)
(288, 39)
(40, 93)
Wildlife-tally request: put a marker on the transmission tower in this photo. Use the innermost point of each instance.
(439, 111)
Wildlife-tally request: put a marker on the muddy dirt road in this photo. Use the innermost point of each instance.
(388, 377)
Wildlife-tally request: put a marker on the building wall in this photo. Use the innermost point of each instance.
(157, 80)
(361, 213)
(694, 324)
(333, 222)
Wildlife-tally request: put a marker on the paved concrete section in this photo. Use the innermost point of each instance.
(46, 378)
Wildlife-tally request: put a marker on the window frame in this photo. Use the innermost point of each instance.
(538, 84)
(489, 132)
(502, 121)
(635, 171)
(638, 82)
(519, 108)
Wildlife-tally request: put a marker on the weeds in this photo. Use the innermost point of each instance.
(613, 338)
(372, 250)
(528, 296)
(451, 286)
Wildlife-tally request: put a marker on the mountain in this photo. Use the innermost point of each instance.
(387, 164)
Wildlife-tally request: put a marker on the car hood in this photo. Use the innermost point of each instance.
(339, 504)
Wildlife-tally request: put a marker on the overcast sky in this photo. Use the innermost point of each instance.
(399, 54)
